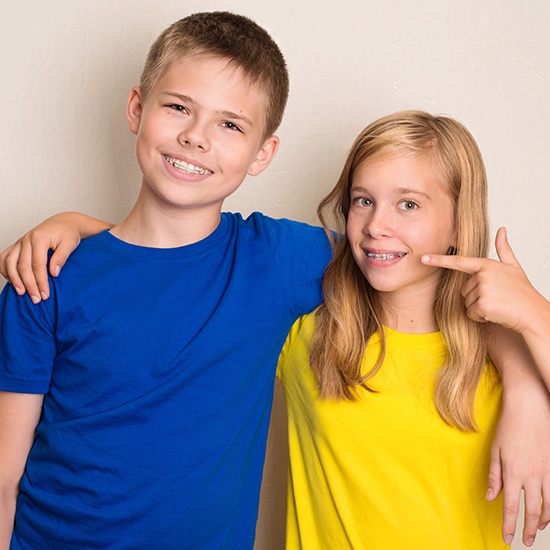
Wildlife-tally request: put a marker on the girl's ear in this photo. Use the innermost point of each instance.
(264, 156)
(134, 109)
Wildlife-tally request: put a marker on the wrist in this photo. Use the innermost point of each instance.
(537, 317)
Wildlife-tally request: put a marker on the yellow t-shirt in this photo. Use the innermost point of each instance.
(385, 472)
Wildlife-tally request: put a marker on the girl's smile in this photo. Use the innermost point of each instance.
(399, 211)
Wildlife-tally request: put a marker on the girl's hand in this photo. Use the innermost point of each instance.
(24, 262)
(498, 291)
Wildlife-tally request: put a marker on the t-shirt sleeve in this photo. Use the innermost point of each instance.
(27, 343)
(302, 252)
(297, 347)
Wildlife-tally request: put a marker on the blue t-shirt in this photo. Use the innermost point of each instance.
(157, 367)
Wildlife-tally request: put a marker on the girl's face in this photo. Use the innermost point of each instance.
(400, 210)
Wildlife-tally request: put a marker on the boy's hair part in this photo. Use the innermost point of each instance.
(352, 311)
(241, 41)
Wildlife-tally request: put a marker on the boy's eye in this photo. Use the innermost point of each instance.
(177, 107)
(231, 126)
(408, 205)
(362, 201)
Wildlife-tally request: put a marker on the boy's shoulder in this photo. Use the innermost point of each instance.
(276, 229)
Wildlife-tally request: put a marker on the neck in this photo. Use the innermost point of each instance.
(410, 312)
(159, 227)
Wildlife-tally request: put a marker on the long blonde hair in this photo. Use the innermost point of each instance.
(352, 311)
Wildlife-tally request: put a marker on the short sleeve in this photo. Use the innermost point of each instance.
(27, 343)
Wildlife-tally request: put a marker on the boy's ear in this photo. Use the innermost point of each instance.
(265, 156)
(134, 108)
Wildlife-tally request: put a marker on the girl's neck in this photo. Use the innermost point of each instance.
(411, 313)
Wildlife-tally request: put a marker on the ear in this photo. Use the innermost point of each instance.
(264, 156)
(134, 109)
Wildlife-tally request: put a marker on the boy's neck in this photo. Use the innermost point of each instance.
(152, 227)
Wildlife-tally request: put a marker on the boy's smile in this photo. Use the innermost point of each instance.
(185, 167)
(199, 133)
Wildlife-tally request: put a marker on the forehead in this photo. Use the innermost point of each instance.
(216, 84)
(400, 167)
(210, 71)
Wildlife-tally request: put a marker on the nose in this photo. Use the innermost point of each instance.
(379, 223)
(194, 135)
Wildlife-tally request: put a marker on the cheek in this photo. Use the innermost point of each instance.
(354, 227)
(448, 234)
(444, 241)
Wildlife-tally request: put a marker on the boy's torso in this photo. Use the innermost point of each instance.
(157, 411)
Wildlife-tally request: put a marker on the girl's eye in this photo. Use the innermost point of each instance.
(362, 201)
(408, 205)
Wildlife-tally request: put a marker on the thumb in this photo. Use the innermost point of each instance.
(495, 477)
(503, 248)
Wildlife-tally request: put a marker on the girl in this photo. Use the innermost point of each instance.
(389, 448)
(392, 402)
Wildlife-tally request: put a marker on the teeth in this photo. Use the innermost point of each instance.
(186, 167)
(385, 256)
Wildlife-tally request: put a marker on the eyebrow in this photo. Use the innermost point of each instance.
(227, 114)
(407, 191)
(397, 191)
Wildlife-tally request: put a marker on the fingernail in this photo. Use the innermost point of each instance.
(56, 271)
(543, 526)
(19, 290)
(44, 296)
(35, 299)
(529, 542)
(425, 259)
(489, 494)
(508, 539)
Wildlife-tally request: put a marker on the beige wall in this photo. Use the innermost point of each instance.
(67, 66)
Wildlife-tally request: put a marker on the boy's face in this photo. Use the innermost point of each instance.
(199, 133)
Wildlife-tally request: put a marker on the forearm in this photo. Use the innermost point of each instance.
(510, 354)
(536, 334)
(521, 448)
(8, 499)
(19, 415)
(87, 225)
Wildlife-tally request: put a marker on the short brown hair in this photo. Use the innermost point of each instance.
(234, 37)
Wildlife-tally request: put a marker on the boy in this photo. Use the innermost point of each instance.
(163, 410)
(148, 374)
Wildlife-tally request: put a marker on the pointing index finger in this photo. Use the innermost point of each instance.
(458, 263)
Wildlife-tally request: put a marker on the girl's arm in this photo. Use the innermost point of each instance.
(19, 415)
(24, 262)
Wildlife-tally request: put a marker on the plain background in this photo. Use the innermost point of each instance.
(67, 67)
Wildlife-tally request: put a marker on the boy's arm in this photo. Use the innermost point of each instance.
(24, 262)
(500, 292)
(19, 415)
(520, 455)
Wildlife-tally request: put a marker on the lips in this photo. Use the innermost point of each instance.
(186, 167)
(384, 256)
